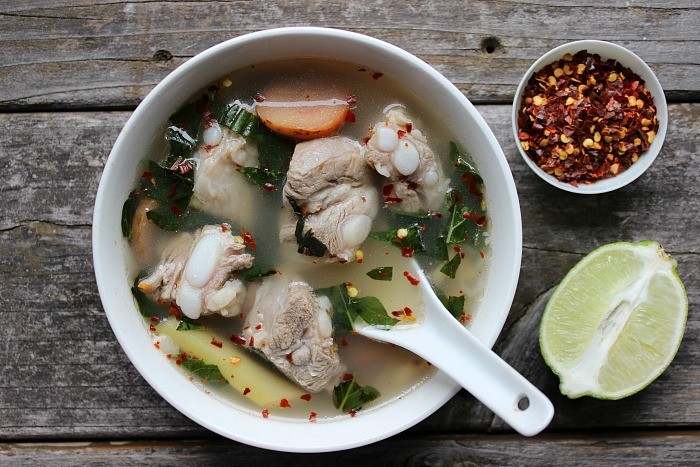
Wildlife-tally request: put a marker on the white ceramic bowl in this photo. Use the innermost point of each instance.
(606, 50)
(110, 249)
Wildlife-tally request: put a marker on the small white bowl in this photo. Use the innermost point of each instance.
(146, 124)
(606, 50)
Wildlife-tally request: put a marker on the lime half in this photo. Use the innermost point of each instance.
(615, 322)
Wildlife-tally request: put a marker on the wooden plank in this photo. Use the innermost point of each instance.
(63, 376)
(62, 54)
(655, 448)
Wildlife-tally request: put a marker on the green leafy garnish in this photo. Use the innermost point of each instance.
(346, 309)
(308, 244)
(461, 164)
(412, 240)
(258, 271)
(128, 212)
(381, 274)
(181, 143)
(238, 119)
(261, 176)
(147, 307)
(450, 268)
(167, 185)
(348, 395)
(187, 324)
(207, 373)
(454, 304)
(169, 217)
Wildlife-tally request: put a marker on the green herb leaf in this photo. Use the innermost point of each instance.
(238, 119)
(346, 309)
(187, 324)
(181, 143)
(344, 314)
(261, 177)
(308, 244)
(169, 217)
(207, 373)
(128, 212)
(461, 164)
(454, 304)
(167, 185)
(348, 395)
(412, 240)
(147, 307)
(258, 271)
(381, 274)
(450, 268)
(372, 311)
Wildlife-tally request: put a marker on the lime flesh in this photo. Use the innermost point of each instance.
(615, 322)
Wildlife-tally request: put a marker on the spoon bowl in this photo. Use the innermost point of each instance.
(446, 344)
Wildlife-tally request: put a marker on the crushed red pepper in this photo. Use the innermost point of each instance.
(583, 119)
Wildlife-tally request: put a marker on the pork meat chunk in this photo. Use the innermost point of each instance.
(195, 271)
(218, 187)
(399, 151)
(332, 185)
(292, 328)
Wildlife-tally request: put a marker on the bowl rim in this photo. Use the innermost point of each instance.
(149, 368)
(627, 58)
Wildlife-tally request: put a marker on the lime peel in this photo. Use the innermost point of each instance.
(615, 322)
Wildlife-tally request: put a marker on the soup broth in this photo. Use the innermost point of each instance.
(260, 210)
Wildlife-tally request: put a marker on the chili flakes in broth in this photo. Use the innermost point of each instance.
(583, 119)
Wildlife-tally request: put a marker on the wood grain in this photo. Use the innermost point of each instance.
(647, 448)
(73, 55)
(63, 375)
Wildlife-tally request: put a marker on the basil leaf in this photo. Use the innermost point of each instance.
(186, 324)
(344, 314)
(348, 395)
(412, 240)
(463, 223)
(128, 212)
(308, 244)
(147, 307)
(461, 164)
(433, 229)
(346, 309)
(181, 143)
(167, 185)
(208, 373)
(450, 268)
(372, 311)
(258, 271)
(454, 304)
(170, 217)
(182, 134)
(261, 177)
(381, 274)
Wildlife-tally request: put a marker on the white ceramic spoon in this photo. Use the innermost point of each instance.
(447, 345)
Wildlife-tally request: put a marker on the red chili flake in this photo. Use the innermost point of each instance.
(173, 190)
(401, 133)
(481, 253)
(481, 221)
(236, 339)
(216, 343)
(344, 341)
(393, 200)
(246, 391)
(388, 189)
(462, 255)
(351, 100)
(147, 175)
(289, 358)
(258, 97)
(174, 310)
(178, 362)
(412, 186)
(252, 341)
(361, 69)
(397, 313)
(377, 75)
(350, 117)
(437, 214)
(265, 413)
(383, 274)
(407, 251)
(312, 417)
(366, 139)
(183, 356)
(284, 404)
(269, 187)
(156, 345)
(352, 412)
(248, 239)
(348, 377)
(176, 210)
(154, 319)
(408, 311)
(305, 397)
(410, 278)
(409, 127)
(152, 328)
(457, 248)
(139, 192)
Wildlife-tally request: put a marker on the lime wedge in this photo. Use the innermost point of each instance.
(615, 322)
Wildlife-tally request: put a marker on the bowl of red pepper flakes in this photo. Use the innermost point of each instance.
(589, 117)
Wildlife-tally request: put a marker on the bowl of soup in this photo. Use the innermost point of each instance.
(271, 193)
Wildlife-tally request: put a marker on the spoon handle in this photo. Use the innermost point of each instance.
(447, 345)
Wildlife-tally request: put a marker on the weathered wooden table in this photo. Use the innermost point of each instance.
(72, 73)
